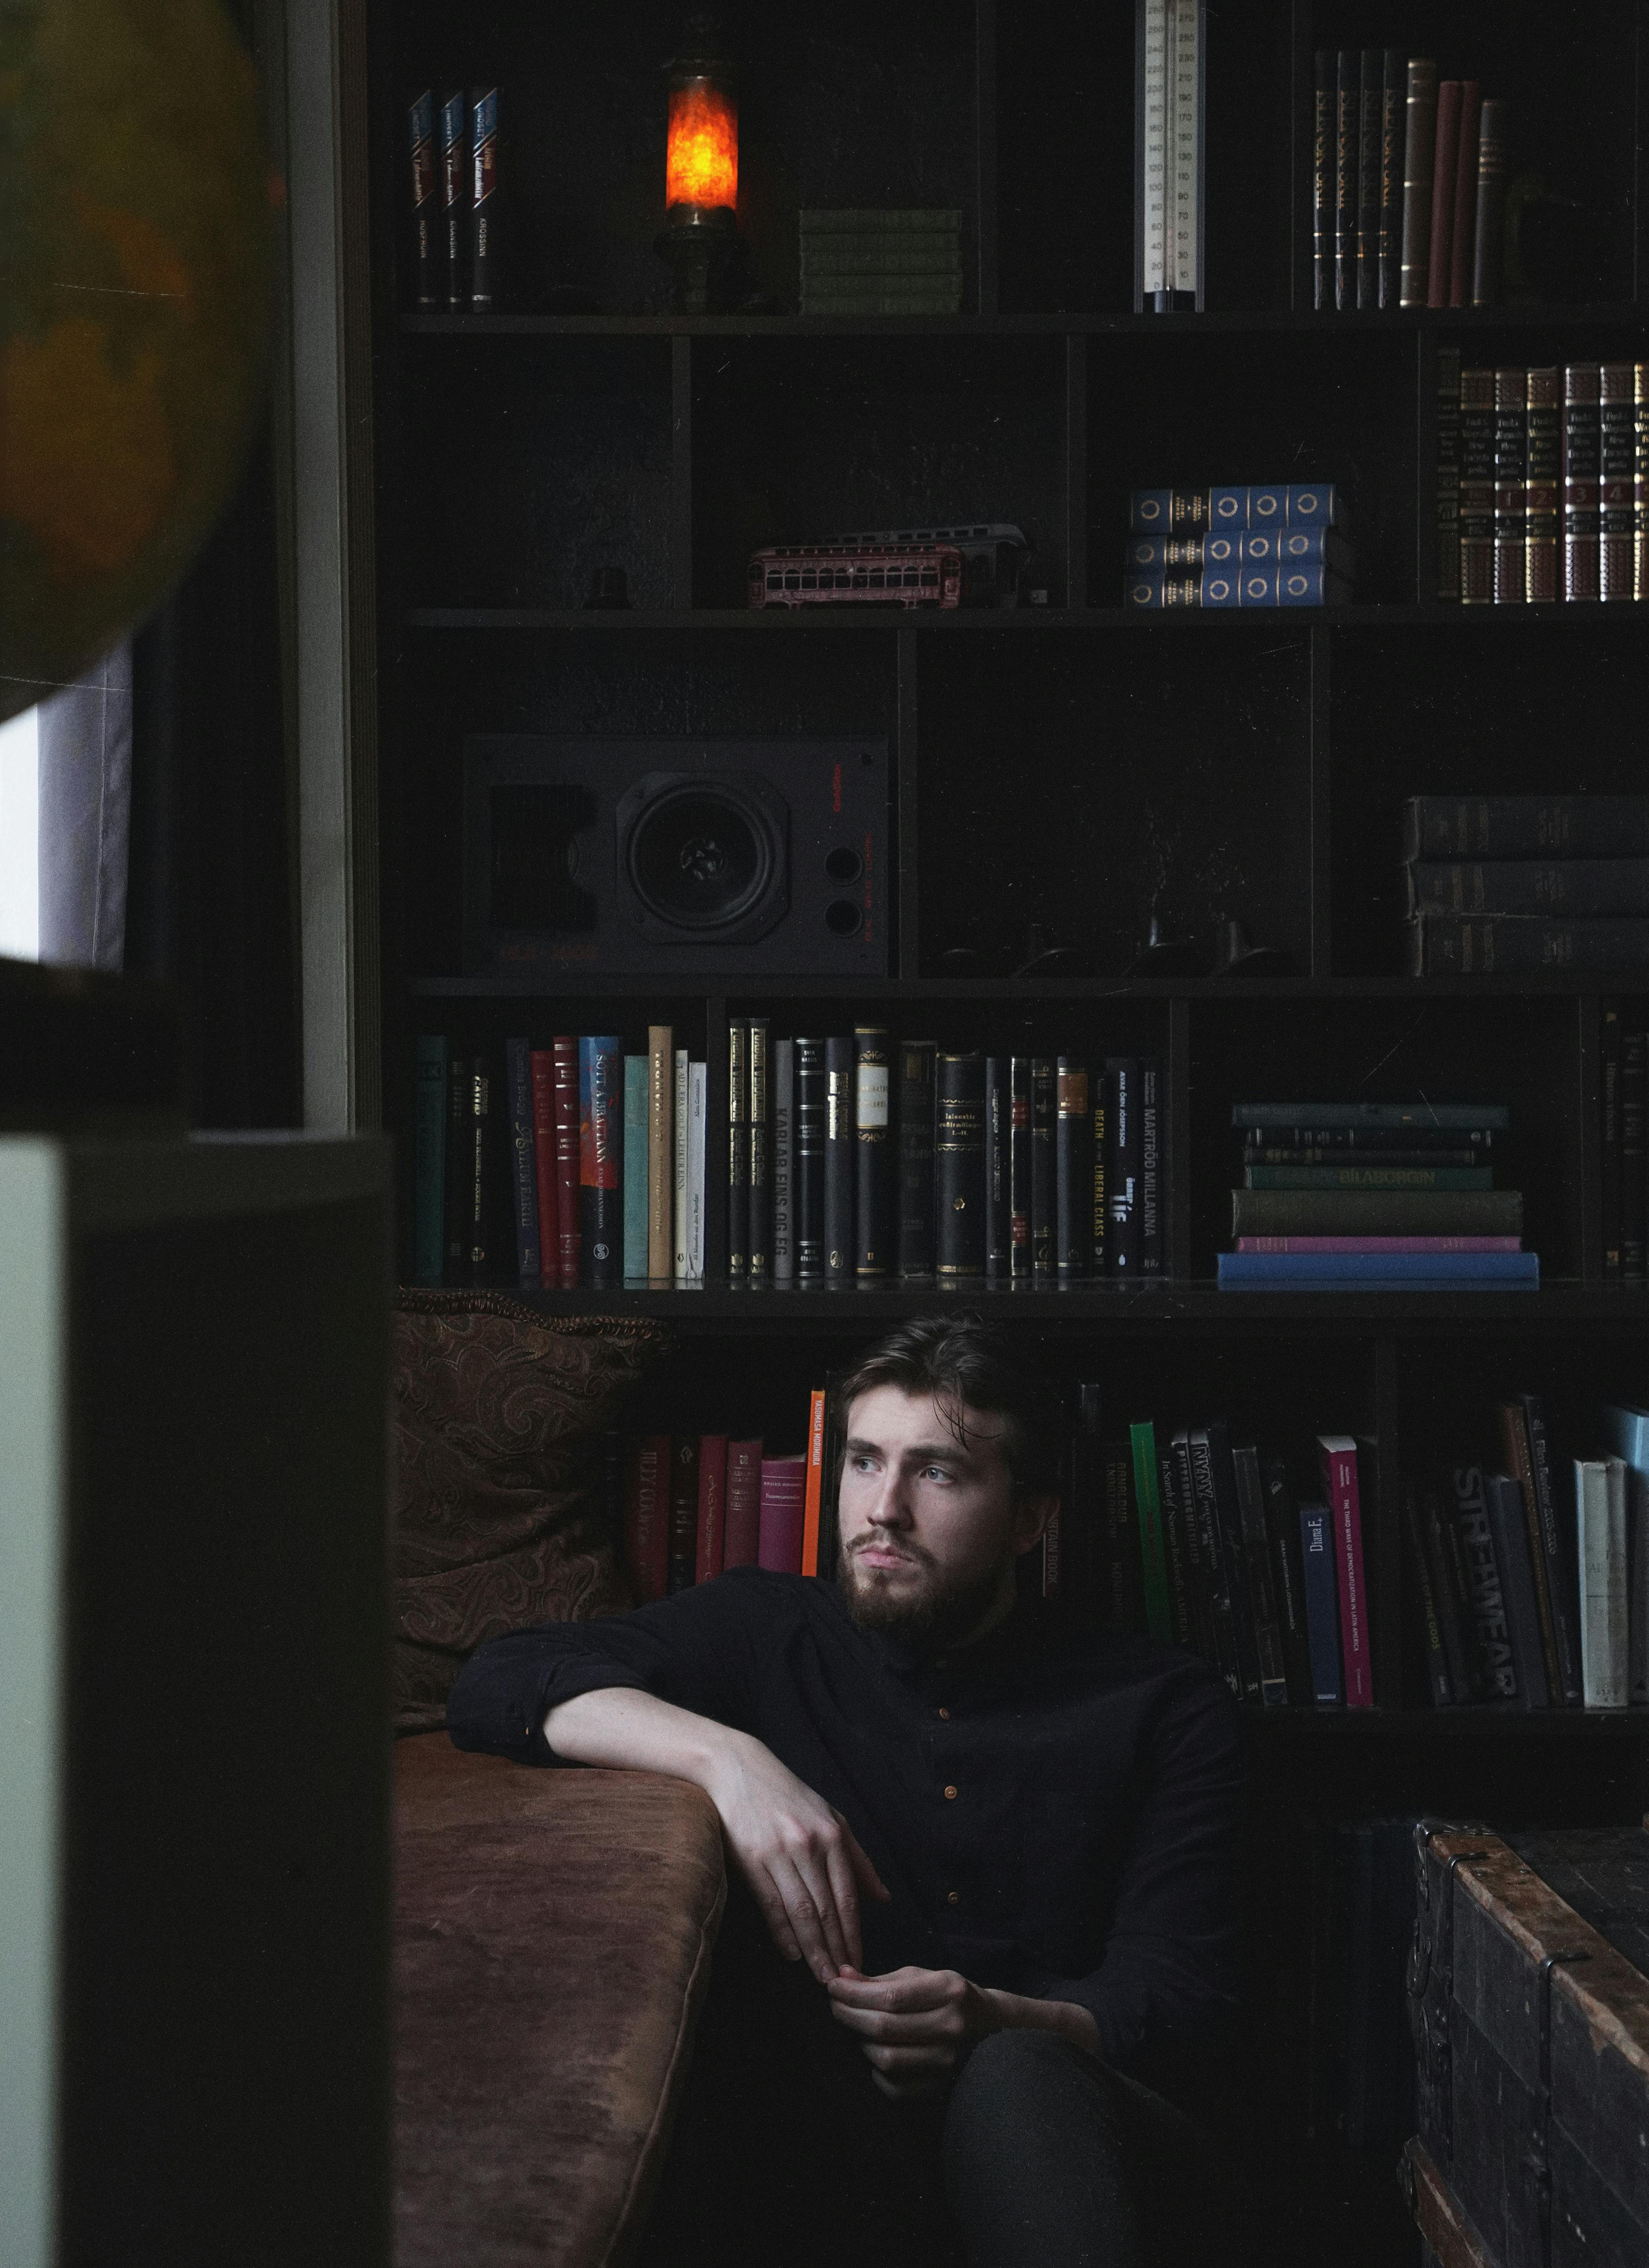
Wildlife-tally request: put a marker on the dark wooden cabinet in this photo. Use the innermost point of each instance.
(1067, 763)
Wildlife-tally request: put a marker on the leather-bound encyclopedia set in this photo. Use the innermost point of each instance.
(1530, 2014)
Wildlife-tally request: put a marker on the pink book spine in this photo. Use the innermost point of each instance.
(1338, 1457)
(784, 1496)
(712, 1507)
(742, 1544)
(1380, 1244)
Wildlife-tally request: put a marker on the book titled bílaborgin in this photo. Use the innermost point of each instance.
(1181, 512)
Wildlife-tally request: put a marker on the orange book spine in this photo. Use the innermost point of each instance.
(815, 1484)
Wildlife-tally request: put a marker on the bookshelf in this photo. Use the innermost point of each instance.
(1071, 760)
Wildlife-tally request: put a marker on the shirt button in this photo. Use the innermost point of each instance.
(953, 1898)
(945, 1714)
(950, 1795)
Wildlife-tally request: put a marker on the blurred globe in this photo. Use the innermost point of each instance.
(135, 247)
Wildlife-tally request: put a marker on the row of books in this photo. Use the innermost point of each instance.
(453, 152)
(697, 1504)
(1408, 184)
(1543, 481)
(589, 1170)
(1374, 1197)
(1533, 1584)
(1524, 882)
(856, 1159)
(1282, 544)
(882, 262)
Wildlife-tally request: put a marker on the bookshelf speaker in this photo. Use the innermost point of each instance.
(674, 857)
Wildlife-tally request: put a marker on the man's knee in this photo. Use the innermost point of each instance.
(1011, 2078)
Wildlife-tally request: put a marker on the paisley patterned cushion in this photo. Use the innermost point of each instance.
(497, 1413)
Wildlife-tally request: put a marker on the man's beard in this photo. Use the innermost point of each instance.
(935, 1611)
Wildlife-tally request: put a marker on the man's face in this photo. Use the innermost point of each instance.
(927, 1523)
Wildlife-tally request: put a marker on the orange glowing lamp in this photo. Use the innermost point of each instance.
(702, 166)
(701, 183)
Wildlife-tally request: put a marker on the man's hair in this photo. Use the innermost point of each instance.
(965, 1363)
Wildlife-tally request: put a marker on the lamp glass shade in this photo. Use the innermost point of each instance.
(701, 165)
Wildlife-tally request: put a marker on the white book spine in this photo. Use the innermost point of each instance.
(1184, 152)
(1155, 137)
(1599, 1492)
(681, 1269)
(697, 1092)
(783, 1110)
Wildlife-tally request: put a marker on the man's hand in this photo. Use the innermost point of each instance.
(915, 2025)
(799, 1855)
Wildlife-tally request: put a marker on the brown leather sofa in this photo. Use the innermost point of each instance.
(553, 1937)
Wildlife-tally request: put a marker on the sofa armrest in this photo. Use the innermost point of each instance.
(553, 1940)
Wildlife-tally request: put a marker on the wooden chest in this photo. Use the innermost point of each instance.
(1531, 2035)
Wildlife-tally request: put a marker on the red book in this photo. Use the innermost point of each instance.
(1463, 243)
(712, 1507)
(683, 1549)
(1445, 163)
(646, 1513)
(1337, 1456)
(783, 1498)
(543, 1067)
(743, 1544)
(569, 1238)
(813, 1496)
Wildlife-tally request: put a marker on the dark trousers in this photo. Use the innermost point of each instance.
(786, 2154)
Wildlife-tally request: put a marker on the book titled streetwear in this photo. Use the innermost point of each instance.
(1282, 544)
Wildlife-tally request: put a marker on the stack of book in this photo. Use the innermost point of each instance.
(858, 1160)
(697, 1504)
(1371, 1196)
(881, 264)
(1521, 882)
(594, 1160)
(1543, 481)
(1532, 1584)
(1280, 545)
(1408, 184)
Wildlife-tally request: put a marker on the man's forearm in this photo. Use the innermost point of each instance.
(1067, 2018)
(622, 1728)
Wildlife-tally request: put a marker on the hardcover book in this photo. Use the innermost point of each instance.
(1477, 487)
(454, 195)
(1537, 886)
(1511, 478)
(600, 1151)
(1445, 164)
(1322, 1610)
(784, 1166)
(1122, 1245)
(1525, 827)
(1616, 463)
(838, 1161)
(1019, 1165)
(874, 1211)
(543, 1075)
(915, 1156)
(421, 150)
(569, 1195)
(647, 1515)
(742, 1533)
(1044, 1184)
(1446, 945)
(710, 1535)
(1581, 474)
(998, 1168)
(1502, 1499)
(1484, 1595)
(683, 1545)
(1418, 156)
(959, 1166)
(784, 1497)
(810, 1134)
(1600, 1488)
(428, 1155)
(1542, 488)
(638, 1163)
(1073, 1230)
(739, 1153)
(1144, 1440)
(759, 1191)
(681, 1267)
(1337, 1457)
(657, 1208)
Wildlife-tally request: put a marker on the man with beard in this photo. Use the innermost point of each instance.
(993, 1847)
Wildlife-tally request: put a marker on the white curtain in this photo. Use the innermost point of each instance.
(85, 781)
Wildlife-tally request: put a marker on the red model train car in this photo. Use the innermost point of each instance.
(856, 574)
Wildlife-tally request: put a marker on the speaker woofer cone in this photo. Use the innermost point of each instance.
(703, 856)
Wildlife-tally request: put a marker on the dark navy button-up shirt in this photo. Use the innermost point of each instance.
(1053, 1808)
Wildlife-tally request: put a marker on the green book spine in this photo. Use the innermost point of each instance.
(636, 1072)
(1369, 1177)
(429, 1151)
(1143, 1437)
